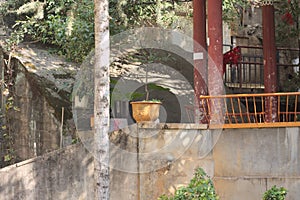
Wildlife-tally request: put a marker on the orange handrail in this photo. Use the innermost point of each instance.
(252, 110)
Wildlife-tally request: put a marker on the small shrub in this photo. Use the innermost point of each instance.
(275, 193)
(200, 188)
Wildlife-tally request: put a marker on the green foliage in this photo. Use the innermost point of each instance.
(200, 187)
(9, 155)
(287, 22)
(65, 24)
(117, 95)
(275, 193)
(153, 86)
(69, 24)
(15, 38)
(233, 11)
(75, 140)
(127, 14)
(11, 5)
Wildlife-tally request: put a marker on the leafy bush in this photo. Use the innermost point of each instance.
(287, 23)
(66, 24)
(69, 24)
(275, 193)
(233, 10)
(200, 187)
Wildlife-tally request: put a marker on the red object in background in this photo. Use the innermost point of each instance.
(231, 57)
(288, 18)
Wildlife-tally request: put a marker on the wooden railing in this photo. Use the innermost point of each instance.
(249, 110)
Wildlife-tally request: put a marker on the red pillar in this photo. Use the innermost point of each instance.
(200, 59)
(215, 60)
(270, 69)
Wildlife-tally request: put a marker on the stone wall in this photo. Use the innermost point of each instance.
(243, 164)
(40, 85)
(33, 126)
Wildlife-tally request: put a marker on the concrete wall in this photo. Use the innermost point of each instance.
(63, 174)
(247, 162)
(243, 164)
(168, 157)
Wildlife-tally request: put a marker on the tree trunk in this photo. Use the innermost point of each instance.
(101, 101)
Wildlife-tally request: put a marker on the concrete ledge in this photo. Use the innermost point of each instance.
(168, 126)
(54, 153)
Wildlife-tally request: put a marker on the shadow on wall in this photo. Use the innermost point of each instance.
(12, 187)
(62, 174)
(39, 90)
(65, 175)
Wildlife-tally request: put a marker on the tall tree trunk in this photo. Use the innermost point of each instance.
(101, 101)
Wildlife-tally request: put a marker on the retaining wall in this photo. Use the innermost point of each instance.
(243, 163)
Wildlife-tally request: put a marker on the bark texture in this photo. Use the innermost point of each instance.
(101, 103)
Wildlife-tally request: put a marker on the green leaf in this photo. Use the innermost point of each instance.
(16, 108)
(7, 158)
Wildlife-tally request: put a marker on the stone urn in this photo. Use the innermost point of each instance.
(144, 111)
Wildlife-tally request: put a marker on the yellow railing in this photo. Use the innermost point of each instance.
(249, 110)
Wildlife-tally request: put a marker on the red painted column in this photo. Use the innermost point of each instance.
(270, 69)
(200, 59)
(215, 60)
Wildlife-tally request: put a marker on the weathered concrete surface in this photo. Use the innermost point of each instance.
(51, 75)
(253, 188)
(237, 189)
(169, 156)
(42, 84)
(62, 174)
(250, 161)
(34, 128)
(242, 163)
(258, 152)
(123, 164)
